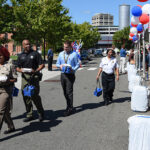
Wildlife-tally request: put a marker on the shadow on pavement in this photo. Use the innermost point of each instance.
(19, 117)
(121, 100)
(125, 91)
(45, 126)
(33, 127)
(88, 106)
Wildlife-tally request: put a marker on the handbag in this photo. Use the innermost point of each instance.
(15, 91)
(66, 69)
(98, 90)
(29, 90)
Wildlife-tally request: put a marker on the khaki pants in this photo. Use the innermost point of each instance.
(122, 65)
(36, 99)
(5, 105)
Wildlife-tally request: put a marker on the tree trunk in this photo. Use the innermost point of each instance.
(44, 49)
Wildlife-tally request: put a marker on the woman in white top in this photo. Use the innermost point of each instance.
(108, 67)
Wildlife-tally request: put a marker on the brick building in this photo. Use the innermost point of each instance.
(11, 46)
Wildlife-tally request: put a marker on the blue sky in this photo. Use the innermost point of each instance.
(83, 10)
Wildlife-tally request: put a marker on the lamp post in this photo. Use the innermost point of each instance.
(143, 56)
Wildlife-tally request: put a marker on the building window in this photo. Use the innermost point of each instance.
(14, 48)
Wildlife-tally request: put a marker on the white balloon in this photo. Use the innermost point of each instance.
(146, 9)
(135, 20)
(133, 30)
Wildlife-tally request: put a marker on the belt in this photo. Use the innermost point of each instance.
(108, 74)
(68, 74)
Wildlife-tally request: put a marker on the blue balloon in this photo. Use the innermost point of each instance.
(135, 38)
(136, 11)
(140, 27)
(131, 26)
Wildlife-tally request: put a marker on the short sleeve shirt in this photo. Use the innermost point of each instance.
(108, 65)
(8, 69)
(32, 59)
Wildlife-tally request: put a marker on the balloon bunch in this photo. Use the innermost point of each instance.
(138, 20)
(77, 45)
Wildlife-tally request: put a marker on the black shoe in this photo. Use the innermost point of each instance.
(28, 119)
(69, 111)
(9, 131)
(106, 102)
(41, 117)
(111, 99)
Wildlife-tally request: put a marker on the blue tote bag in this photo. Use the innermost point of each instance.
(98, 90)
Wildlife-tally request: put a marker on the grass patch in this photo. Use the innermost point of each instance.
(14, 57)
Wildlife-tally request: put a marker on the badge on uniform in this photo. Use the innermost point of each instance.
(31, 57)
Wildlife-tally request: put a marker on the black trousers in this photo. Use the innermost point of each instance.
(50, 62)
(67, 81)
(108, 83)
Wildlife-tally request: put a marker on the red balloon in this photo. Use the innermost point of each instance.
(139, 6)
(144, 18)
(133, 25)
(131, 34)
(142, 0)
(130, 39)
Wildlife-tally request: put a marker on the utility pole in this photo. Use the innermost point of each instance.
(143, 56)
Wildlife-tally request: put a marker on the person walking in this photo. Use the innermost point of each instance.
(68, 63)
(8, 76)
(123, 54)
(50, 59)
(29, 64)
(108, 67)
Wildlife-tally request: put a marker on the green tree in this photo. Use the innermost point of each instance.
(88, 35)
(6, 20)
(122, 37)
(40, 21)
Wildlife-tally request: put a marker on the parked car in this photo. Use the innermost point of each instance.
(98, 52)
(105, 53)
(85, 55)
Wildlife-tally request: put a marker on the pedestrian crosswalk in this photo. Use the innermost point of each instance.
(92, 69)
(89, 69)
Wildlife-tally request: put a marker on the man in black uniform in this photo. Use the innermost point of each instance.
(50, 59)
(29, 64)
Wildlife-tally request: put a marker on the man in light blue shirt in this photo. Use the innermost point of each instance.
(68, 63)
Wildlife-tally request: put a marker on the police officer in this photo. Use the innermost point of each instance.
(68, 63)
(29, 65)
(7, 78)
(50, 59)
(108, 67)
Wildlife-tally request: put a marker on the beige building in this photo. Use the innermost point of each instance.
(102, 20)
(104, 24)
